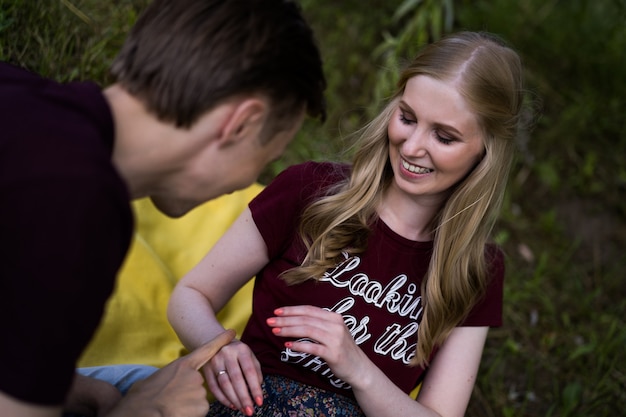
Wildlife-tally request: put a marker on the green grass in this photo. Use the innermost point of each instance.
(562, 349)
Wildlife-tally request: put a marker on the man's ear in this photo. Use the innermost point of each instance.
(246, 120)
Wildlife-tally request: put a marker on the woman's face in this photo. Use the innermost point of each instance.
(434, 139)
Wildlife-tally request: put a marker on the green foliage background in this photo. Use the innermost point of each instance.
(561, 350)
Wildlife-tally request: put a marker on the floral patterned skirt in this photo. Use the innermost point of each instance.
(283, 397)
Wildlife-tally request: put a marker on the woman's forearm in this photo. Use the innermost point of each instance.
(378, 396)
(192, 317)
(445, 391)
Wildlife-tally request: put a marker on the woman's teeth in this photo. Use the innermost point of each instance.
(415, 169)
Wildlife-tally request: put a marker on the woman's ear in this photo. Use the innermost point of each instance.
(245, 121)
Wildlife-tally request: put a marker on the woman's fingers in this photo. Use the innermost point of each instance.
(311, 322)
(220, 392)
(319, 332)
(234, 377)
(253, 377)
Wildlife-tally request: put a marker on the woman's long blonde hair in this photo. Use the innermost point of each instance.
(488, 74)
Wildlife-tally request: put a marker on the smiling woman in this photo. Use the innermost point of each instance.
(373, 272)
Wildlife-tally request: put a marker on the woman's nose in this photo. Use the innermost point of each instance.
(416, 144)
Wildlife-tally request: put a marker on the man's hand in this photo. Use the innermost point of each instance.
(91, 397)
(175, 390)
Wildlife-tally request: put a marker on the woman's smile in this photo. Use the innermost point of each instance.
(415, 169)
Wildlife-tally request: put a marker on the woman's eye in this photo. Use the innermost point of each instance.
(444, 139)
(404, 119)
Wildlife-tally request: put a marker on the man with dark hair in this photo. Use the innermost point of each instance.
(207, 92)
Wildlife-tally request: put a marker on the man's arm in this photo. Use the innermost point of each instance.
(15, 408)
(175, 390)
(90, 396)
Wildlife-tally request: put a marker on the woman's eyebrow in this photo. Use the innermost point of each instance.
(405, 106)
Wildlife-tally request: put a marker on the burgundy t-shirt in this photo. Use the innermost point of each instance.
(65, 227)
(377, 292)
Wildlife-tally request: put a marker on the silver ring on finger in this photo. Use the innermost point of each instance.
(222, 372)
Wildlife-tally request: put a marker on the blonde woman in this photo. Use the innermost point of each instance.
(373, 277)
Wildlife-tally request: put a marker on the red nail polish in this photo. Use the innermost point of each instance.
(249, 411)
(271, 321)
(279, 311)
(288, 344)
(276, 330)
(259, 401)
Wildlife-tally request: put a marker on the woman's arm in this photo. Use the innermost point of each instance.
(446, 389)
(453, 372)
(201, 294)
(448, 385)
(238, 255)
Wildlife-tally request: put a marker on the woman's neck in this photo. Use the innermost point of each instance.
(409, 217)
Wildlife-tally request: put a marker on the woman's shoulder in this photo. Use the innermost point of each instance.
(493, 253)
(495, 262)
(314, 175)
(305, 181)
(321, 169)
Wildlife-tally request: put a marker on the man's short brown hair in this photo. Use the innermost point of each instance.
(184, 57)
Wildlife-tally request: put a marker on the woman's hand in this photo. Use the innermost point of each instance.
(334, 344)
(234, 377)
